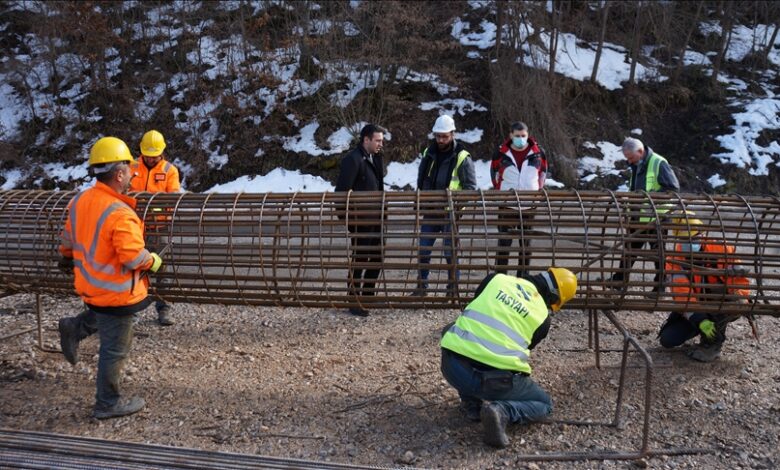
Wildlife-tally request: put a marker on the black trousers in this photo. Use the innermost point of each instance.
(503, 254)
(366, 248)
(648, 237)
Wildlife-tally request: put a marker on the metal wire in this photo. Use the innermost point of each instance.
(301, 249)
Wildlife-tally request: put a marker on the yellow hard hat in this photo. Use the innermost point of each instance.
(689, 230)
(567, 286)
(109, 150)
(152, 144)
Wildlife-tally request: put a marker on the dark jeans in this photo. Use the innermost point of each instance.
(366, 248)
(116, 337)
(525, 402)
(426, 242)
(632, 245)
(502, 255)
(677, 329)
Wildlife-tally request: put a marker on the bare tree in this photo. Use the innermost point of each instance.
(727, 22)
(554, 33)
(635, 43)
(600, 48)
(694, 24)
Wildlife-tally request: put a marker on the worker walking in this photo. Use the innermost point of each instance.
(445, 164)
(486, 351)
(154, 174)
(103, 244)
(701, 268)
(650, 172)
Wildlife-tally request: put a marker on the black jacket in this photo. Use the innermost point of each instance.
(361, 172)
(439, 176)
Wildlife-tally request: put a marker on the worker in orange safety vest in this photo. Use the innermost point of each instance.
(156, 175)
(701, 268)
(102, 244)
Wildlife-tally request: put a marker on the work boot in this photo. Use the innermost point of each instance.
(706, 352)
(358, 311)
(421, 290)
(69, 340)
(452, 290)
(123, 407)
(164, 315)
(472, 410)
(494, 421)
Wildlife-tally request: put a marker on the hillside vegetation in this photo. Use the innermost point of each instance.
(242, 88)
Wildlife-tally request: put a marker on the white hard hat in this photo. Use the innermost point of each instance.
(444, 124)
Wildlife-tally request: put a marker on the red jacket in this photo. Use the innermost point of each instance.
(504, 167)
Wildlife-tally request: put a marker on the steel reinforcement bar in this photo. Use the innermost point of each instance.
(302, 249)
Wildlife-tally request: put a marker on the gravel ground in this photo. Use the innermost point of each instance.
(320, 384)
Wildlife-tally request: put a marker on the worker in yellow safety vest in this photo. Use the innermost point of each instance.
(444, 164)
(486, 352)
(154, 174)
(102, 244)
(651, 173)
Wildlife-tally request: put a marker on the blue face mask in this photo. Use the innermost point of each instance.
(690, 247)
(519, 141)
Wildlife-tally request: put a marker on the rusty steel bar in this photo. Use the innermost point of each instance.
(29, 449)
(644, 450)
(296, 249)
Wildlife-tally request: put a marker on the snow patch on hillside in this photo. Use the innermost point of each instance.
(277, 181)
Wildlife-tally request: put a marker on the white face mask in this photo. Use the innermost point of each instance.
(690, 247)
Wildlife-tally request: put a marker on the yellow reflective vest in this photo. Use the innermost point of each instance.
(498, 326)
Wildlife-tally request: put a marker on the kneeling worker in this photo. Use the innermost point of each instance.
(486, 351)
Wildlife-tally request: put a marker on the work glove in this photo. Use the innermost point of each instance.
(66, 265)
(707, 328)
(156, 263)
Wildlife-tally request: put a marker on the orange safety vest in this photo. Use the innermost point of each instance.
(163, 178)
(684, 279)
(104, 236)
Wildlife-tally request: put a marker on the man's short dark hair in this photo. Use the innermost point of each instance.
(106, 176)
(369, 130)
(519, 126)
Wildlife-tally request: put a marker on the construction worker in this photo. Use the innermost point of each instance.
(103, 245)
(701, 268)
(650, 172)
(486, 352)
(519, 164)
(445, 164)
(156, 175)
(362, 169)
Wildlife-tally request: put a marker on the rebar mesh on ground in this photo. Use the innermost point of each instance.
(297, 249)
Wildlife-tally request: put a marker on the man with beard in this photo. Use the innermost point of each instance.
(445, 165)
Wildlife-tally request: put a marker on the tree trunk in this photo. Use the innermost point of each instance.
(684, 46)
(499, 27)
(553, 39)
(635, 43)
(605, 14)
(770, 45)
(725, 39)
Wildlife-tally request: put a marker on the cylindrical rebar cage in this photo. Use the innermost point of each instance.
(307, 249)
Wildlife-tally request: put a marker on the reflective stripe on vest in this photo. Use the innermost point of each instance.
(89, 255)
(454, 179)
(497, 327)
(652, 185)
